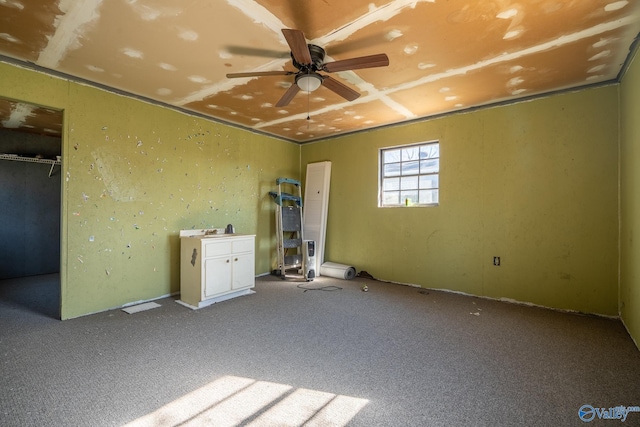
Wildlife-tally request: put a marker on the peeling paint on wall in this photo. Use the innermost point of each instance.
(124, 209)
(194, 257)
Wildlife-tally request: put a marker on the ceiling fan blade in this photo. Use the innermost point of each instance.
(298, 45)
(371, 61)
(288, 96)
(339, 88)
(259, 74)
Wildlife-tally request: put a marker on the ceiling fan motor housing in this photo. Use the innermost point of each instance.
(308, 59)
(317, 59)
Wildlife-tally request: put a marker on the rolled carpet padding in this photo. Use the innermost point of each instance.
(337, 271)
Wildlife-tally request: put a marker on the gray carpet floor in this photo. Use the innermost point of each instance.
(334, 355)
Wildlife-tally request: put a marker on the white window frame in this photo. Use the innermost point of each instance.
(400, 184)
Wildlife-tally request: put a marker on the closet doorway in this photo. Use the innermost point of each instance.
(30, 208)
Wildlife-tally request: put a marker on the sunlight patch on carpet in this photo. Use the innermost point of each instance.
(232, 401)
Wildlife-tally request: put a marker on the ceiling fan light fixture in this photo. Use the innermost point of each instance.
(309, 82)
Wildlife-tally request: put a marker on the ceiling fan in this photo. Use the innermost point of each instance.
(309, 59)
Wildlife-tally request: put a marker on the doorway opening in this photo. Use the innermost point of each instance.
(30, 207)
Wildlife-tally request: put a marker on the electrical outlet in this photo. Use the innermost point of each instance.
(496, 261)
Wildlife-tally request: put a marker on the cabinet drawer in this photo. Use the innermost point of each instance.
(243, 245)
(217, 248)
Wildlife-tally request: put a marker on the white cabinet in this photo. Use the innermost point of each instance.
(215, 268)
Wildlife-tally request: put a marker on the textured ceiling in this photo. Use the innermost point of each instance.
(30, 118)
(445, 55)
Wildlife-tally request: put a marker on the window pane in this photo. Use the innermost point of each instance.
(430, 151)
(409, 175)
(429, 181)
(409, 183)
(410, 197)
(392, 169)
(391, 184)
(429, 166)
(391, 198)
(410, 153)
(411, 168)
(392, 156)
(428, 196)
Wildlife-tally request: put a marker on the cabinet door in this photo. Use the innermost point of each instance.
(217, 273)
(243, 271)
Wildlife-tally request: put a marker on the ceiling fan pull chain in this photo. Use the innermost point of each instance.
(308, 110)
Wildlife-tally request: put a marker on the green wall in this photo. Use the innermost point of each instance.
(135, 174)
(630, 199)
(535, 183)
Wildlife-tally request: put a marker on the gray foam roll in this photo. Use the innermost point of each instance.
(337, 271)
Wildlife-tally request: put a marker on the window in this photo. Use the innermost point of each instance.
(409, 175)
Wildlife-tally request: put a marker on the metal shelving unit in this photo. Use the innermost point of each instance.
(17, 158)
